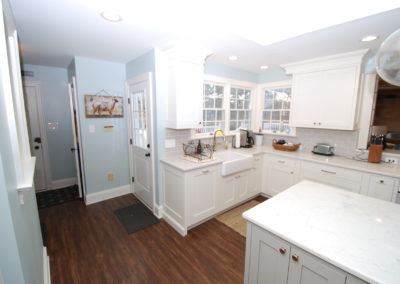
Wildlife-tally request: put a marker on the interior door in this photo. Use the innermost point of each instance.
(36, 133)
(139, 101)
(76, 138)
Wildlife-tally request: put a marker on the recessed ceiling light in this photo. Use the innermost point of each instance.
(369, 38)
(233, 58)
(111, 16)
(263, 67)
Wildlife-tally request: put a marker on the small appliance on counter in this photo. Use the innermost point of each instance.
(323, 149)
(246, 138)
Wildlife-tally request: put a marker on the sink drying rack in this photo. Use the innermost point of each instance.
(191, 150)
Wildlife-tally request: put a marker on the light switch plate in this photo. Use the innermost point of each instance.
(92, 128)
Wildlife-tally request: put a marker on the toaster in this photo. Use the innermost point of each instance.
(323, 149)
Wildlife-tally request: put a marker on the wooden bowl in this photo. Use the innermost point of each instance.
(285, 147)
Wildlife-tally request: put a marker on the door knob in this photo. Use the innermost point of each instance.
(148, 146)
(37, 147)
(147, 154)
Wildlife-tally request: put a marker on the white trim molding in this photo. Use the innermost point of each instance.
(158, 211)
(174, 224)
(60, 183)
(46, 267)
(107, 194)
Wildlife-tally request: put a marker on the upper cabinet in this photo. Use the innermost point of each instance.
(325, 91)
(185, 72)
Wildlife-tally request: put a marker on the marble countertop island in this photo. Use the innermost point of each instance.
(356, 233)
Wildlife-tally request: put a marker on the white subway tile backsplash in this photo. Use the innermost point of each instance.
(345, 141)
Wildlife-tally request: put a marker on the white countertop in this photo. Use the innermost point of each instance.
(381, 168)
(356, 233)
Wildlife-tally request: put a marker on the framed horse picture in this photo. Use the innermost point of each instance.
(104, 106)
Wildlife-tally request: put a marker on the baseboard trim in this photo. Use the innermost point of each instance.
(181, 230)
(158, 211)
(60, 183)
(107, 194)
(46, 267)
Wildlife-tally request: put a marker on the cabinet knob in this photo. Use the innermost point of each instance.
(291, 173)
(381, 181)
(319, 123)
(315, 123)
(295, 257)
(282, 250)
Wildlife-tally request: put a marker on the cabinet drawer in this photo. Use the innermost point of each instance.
(281, 161)
(382, 187)
(344, 178)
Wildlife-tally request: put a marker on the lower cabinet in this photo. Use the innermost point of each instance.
(234, 189)
(381, 187)
(280, 174)
(202, 193)
(344, 178)
(272, 260)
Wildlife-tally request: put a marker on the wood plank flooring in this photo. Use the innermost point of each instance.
(88, 244)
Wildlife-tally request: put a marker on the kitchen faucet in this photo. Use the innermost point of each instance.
(215, 140)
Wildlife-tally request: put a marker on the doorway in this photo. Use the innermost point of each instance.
(37, 134)
(141, 139)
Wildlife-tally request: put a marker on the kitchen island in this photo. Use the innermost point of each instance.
(315, 233)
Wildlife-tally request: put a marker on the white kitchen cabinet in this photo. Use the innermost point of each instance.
(189, 197)
(267, 257)
(382, 187)
(281, 173)
(325, 91)
(306, 268)
(185, 72)
(271, 260)
(255, 176)
(340, 177)
(234, 189)
(202, 186)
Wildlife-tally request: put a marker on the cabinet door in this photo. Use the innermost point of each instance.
(241, 186)
(279, 179)
(307, 269)
(202, 194)
(227, 192)
(382, 187)
(307, 99)
(268, 260)
(254, 180)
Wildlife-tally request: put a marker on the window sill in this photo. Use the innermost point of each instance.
(278, 133)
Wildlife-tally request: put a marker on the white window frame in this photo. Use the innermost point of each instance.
(228, 83)
(260, 105)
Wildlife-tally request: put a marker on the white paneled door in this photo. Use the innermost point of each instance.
(37, 134)
(140, 132)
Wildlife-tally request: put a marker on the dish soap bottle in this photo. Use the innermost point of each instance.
(199, 148)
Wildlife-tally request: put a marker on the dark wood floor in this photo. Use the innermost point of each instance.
(88, 244)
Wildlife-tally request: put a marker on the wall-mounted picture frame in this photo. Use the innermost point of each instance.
(104, 106)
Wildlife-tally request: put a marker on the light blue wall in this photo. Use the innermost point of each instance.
(103, 152)
(139, 66)
(272, 76)
(56, 108)
(211, 68)
(20, 237)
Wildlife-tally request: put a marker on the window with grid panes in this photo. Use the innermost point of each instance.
(276, 112)
(239, 104)
(213, 108)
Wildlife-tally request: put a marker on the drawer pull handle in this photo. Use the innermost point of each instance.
(236, 177)
(205, 171)
(280, 161)
(282, 250)
(291, 173)
(381, 181)
(295, 257)
(328, 172)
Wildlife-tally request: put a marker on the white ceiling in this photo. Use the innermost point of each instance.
(52, 32)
